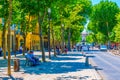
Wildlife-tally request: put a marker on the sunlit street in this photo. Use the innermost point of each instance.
(59, 39)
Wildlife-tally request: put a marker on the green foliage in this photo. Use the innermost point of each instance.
(73, 13)
(103, 18)
(57, 32)
(89, 39)
(100, 37)
(74, 17)
(92, 27)
(16, 13)
(116, 29)
(3, 8)
(87, 7)
(75, 33)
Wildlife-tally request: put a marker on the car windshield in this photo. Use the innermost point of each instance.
(103, 46)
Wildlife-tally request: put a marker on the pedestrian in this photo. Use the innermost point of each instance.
(80, 47)
(57, 50)
(0, 51)
(20, 49)
(66, 50)
(88, 47)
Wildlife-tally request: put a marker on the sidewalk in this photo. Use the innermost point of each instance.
(63, 67)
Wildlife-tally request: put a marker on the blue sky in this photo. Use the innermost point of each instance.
(97, 1)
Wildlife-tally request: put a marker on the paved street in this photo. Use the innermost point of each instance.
(64, 67)
(107, 64)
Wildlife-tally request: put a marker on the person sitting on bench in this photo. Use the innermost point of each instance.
(30, 55)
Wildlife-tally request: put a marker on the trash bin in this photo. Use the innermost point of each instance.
(16, 65)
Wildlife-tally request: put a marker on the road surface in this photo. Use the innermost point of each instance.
(107, 64)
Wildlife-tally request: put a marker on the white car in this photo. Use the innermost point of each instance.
(103, 47)
(85, 48)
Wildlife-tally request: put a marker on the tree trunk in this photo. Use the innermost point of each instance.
(53, 41)
(27, 28)
(95, 39)
(4, 40)
(8, 40)
(24, 31)
(24, 45)
(49, 37)
(69, 35)
(14, 42)
(41, 40)
(40, 34)
(4, 30)
(108, 33)
(62, 37)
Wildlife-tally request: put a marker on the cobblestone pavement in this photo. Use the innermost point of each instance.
(63, 67)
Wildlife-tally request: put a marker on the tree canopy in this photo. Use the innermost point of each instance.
(103, 18)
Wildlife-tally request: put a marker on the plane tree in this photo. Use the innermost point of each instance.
(103, 18)
(4, 15)
(116, 30)
(75, 18)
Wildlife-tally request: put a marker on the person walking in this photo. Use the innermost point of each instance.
(66, 50)
(57, 50)
(0, 51)
(20, 49)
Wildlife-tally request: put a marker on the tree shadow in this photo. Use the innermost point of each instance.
(69, 54)
(3, 62)
(58, 65)
(64, 77)
(61, 64)
(97, 68)
(10, 78)
(59, 58)
(56, 68)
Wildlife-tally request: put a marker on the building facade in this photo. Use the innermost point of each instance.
(32, 39)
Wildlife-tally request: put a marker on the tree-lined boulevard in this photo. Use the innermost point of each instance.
(58, 26)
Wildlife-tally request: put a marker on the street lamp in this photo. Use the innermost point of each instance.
(49, 12)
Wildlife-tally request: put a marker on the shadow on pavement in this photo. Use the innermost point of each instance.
(69, 54)
(64, 58)
(57, 65)
(64, 77)
(10, 78)
(97, 68)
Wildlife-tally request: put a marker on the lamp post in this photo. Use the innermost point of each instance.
(49, 12)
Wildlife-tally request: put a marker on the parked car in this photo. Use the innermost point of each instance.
(85, 48)
(103, 47)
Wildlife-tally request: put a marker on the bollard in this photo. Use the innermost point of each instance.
(87, 61)
(16, 65)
